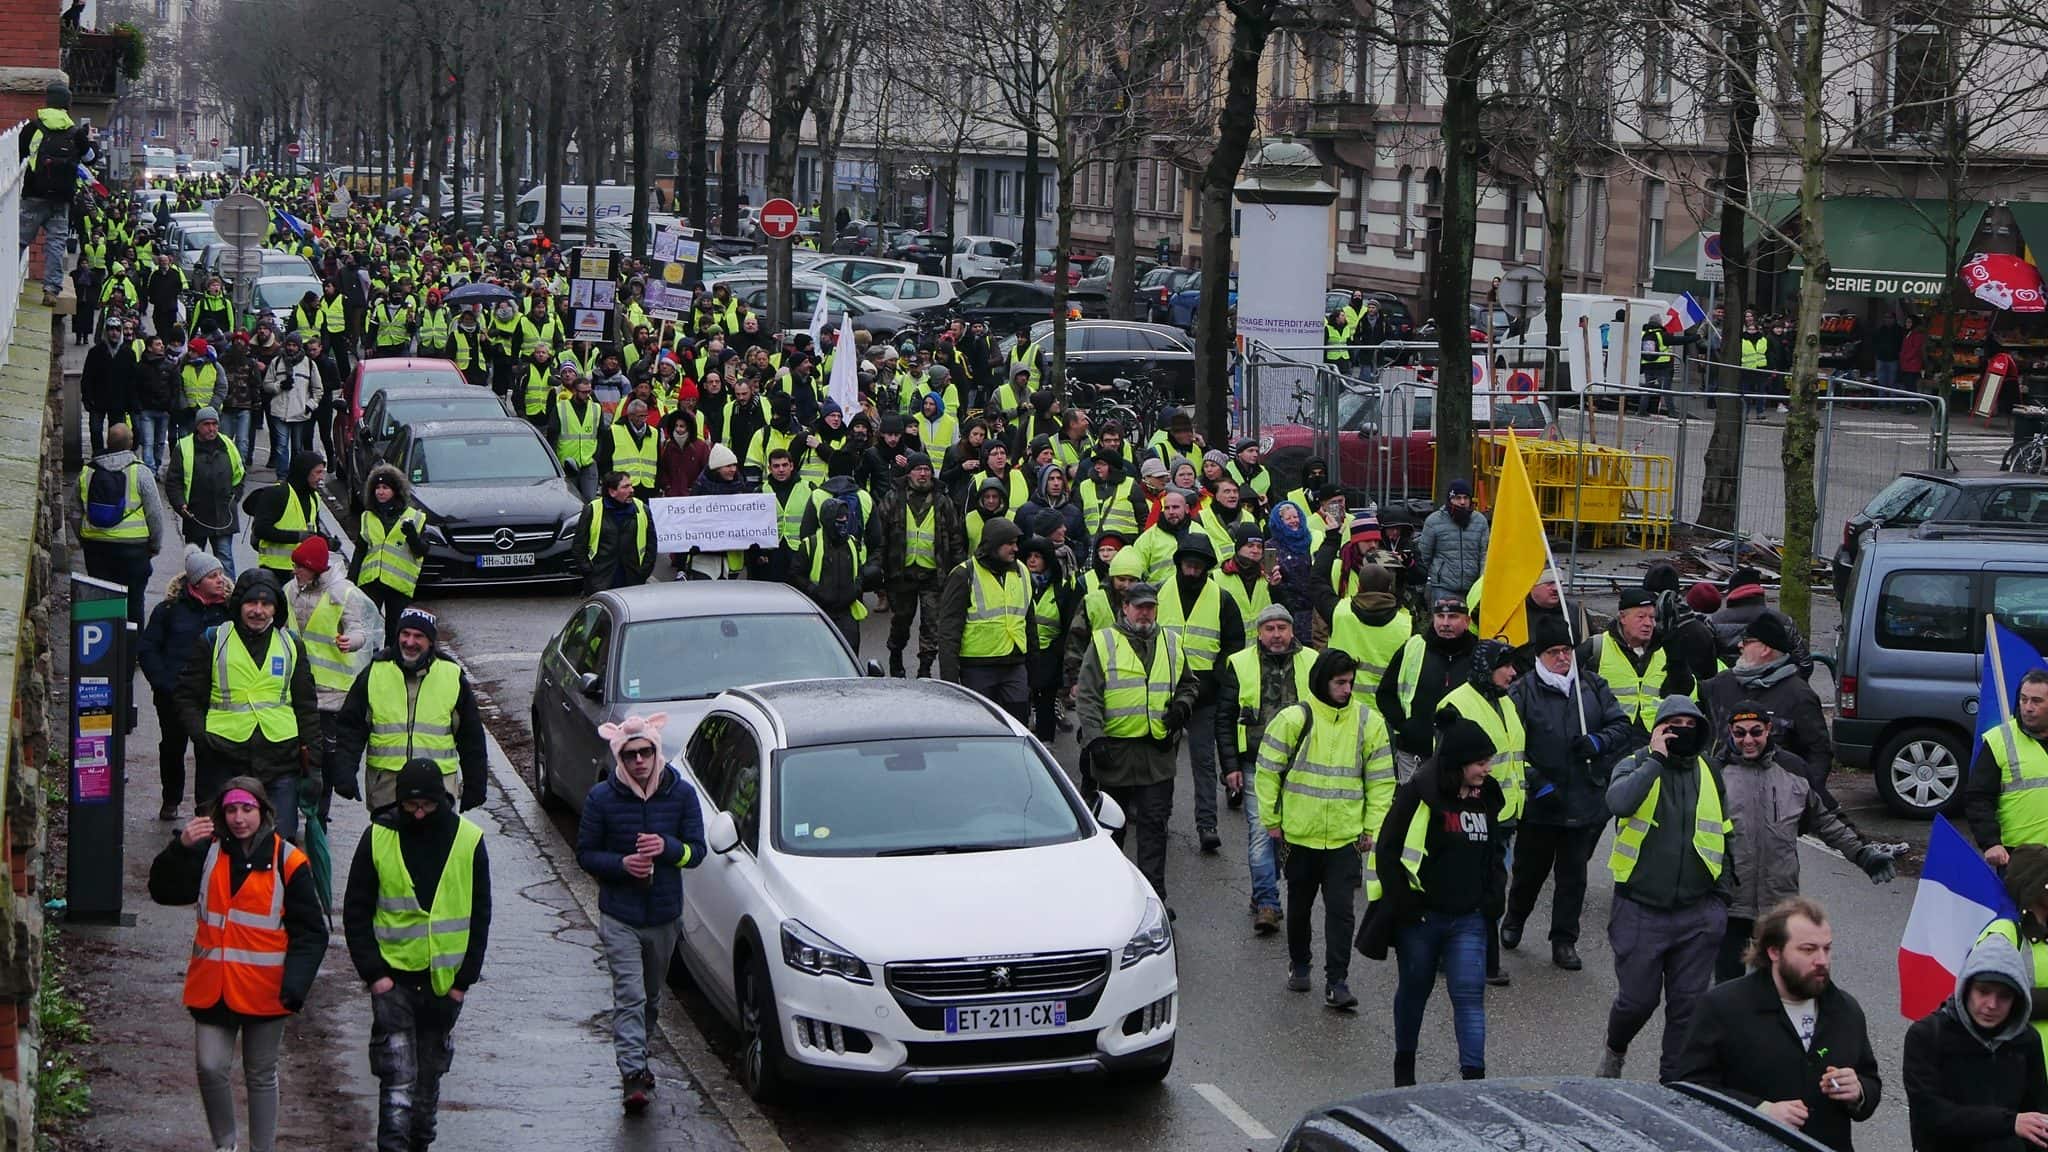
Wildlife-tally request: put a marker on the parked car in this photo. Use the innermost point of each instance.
(1004, 304)
(1101, 351)
(1153, 293)
(192, 240)
(392, 373)
(1404, 453)
(977, 258)
(276, 295)
(927, 250)
(1013, 269)
(840, 300)
(866, 238)
(853, 269)
(1077, 267)
(1922, 495)
(498, 509)
(360, 445)
(616, 657)
(908, 290)
(1185, 303)
(1102, 270)
(1906, 662)
(845, 922)
(1542, 1112)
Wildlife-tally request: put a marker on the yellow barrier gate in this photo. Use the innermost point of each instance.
(1619, 499)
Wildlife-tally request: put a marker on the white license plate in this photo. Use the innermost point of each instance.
(505, 560)
(1007, 1017)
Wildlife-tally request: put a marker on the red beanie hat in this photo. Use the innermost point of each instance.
(687, 390)
(1703, 597)
(311, 553)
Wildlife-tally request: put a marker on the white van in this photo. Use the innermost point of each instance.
(158, 162)
(614, 202)
(1602, 337)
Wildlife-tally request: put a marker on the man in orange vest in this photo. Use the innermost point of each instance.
(260, 938)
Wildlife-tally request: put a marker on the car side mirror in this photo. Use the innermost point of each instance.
(721, 835)
(874, 669)
(1108, 812)
(590, 685)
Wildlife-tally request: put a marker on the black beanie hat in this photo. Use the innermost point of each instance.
(420, 779)
(1460, 742)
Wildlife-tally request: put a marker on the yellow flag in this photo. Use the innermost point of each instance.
(1515, 556)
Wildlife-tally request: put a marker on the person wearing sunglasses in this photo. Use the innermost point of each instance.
(1767, 796)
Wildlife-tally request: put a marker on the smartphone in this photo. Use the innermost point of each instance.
(1269, 562)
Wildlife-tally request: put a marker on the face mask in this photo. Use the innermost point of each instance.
(1686, 743)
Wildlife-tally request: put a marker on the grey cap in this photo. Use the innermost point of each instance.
(1676, 705)
(1141, 593)
(1273, 612)
(1153, 466)
(205, 414)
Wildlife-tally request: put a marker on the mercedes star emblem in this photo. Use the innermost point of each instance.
(504, 539)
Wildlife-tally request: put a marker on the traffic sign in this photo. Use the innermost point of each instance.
(778, 219)
(1707, 264)
(292, 149)
(213, 143)
(241, 220)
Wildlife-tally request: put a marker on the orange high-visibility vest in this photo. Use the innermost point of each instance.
(238, 951)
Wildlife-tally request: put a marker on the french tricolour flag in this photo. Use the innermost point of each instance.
(1683, 313)
(1959, 894)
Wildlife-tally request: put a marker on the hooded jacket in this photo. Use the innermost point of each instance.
(614, 816)
(953, 600)
(1783, 691)
(172, 633)
(425, 845)
(1400, 903)
(1965, 1086)
(1121, 763)
(949, 546)
(841, 573)
(386, 515)
(360, 620)
(1452, 555)
(1064, 506)
(265, 505)
(257, 756)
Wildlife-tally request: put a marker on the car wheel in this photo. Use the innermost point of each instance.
(544, 773)
(1919, 772)
(1150, 1073)
(760, 1034)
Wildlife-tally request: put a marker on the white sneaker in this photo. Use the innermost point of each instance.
(1782, 409)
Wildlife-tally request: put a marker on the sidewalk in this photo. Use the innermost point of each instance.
(533, 1061)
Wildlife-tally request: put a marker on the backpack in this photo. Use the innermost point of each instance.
(56, 161)
(106, 497)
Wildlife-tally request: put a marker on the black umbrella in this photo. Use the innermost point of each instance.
(478, 293)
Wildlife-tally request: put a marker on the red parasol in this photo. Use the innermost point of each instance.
(2005, 281)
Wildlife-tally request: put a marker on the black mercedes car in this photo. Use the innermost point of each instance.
(388, 412)
(498, 509)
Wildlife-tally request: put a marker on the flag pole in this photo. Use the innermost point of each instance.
(1991, 649)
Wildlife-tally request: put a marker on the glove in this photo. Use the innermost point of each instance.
(1586, 747)
(1877, 864)
(1176, 717)
(345, 786)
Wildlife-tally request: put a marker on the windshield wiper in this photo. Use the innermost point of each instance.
(948, 849)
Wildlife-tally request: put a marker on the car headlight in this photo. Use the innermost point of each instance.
(806, 951)
(1154, 935)
(1265, 444)
(568, 530)
(432, 534)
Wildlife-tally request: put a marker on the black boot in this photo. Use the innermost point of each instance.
(896, 668)
(1478, 1073)
(1404, 1069)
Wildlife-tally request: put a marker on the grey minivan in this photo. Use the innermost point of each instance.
(1912, 632)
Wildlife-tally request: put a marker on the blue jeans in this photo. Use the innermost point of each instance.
(1888, 373)
(53, 219)
(238, 424)
(284, 796)
(287, 439)
(1457, 946)
(153, 438)
(1259, 853)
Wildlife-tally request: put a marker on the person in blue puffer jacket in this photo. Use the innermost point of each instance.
(640, 828)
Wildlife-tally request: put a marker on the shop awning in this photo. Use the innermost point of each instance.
(2033, 221)
(1674, 271)
(1890, 245)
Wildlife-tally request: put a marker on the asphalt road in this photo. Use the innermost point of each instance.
(1252, 1057)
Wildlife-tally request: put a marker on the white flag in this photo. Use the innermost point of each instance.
(844, 386)
(817, 328)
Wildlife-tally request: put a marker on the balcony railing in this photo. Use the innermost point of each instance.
(94, 64)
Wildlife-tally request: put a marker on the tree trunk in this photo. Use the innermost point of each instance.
(785, 130)
(1033, 176)
(1453, 262)
(731, 108)
(640, 95)
(491, 126)
(508, 156)
(828, 168)
(1251, 25)
(1721, 481)
(460, 76)
(688, 200)
(1802, 423)
(551, 146)
(1123, 232)
(438, 99)
(1557, 197)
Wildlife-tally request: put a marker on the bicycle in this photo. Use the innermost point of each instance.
(2030, 458)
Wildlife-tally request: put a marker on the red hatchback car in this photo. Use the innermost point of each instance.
(373, 376)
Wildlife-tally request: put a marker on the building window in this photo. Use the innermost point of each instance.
(163, 9)
(1922, 82)
(1511, 223)
(1657, 65)
(156, 127)
(1361, 206)
(1045, 196)
(1404, 231)
(1655, 198)
(1283, 66)
(1575, 226)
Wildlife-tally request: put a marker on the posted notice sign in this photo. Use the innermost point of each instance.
(713, 523)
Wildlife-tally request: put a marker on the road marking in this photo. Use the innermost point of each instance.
(1233, 1112)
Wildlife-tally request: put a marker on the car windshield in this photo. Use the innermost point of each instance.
(482, 458)
(919, 796)
(418, 409)
(725, 651)
(375, 383)
(1906, 500)
(280, 294)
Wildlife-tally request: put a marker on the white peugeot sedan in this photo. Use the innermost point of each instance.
(905, 887)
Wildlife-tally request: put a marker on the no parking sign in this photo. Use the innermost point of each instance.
(1521, 380)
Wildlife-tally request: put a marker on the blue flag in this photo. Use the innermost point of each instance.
(291, 223)
(2007, 658)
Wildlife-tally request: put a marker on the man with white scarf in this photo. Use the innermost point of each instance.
(1575, 732)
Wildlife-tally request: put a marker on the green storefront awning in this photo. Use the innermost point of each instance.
(1890, 245)
(2033, 221)
(1674, 271)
